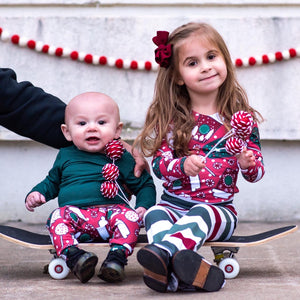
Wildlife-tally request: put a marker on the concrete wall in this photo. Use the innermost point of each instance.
(123, 29)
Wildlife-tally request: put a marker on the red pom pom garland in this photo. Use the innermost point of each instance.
(234, 145)
(109, 189)
(134, 64)
(110, 172)
(114, 149)
(242, 123)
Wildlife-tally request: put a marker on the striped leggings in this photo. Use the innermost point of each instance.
(175, 229)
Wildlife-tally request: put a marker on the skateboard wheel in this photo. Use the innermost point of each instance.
(58, 268)
(230, 267)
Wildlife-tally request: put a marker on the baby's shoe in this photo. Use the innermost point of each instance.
(112, 269)
(81, 263)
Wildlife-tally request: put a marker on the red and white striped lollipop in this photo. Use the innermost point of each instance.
(234, 145)
(242, 123)
(114, 149)
(110, 172)
(109, 189)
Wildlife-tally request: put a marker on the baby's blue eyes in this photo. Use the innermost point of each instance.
(82, 123)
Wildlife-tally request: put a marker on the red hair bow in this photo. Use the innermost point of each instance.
(163, 52)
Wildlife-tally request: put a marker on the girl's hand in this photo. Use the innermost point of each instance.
(246, 159)
(140, 161)
(33, 200)
(193, 165)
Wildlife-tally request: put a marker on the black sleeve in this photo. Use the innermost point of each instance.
(29, 111)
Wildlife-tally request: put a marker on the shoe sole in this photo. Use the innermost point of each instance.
(86, 270)
(155, 270)
(112, 272)
(194, 270)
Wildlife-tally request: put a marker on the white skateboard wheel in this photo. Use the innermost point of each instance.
(58, 268)
(230, 267)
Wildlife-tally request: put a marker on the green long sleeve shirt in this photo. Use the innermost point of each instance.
(76, 178)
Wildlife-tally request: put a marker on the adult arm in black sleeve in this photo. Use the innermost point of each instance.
(29, 111)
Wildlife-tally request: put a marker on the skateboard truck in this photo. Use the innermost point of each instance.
(226, 261)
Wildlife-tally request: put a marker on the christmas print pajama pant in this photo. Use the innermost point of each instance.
(70, 225)
(176, 229)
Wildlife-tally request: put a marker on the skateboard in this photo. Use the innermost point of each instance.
(224, 251)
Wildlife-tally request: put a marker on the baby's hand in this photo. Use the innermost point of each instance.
(246, 159)
(193, 165)
(33, 200)
(141, 211)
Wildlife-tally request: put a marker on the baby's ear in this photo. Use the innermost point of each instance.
(66, 132)
(118, 130)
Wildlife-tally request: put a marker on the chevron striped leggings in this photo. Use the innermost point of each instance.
(176, 229)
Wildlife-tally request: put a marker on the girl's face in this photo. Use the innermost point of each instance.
(202, 68)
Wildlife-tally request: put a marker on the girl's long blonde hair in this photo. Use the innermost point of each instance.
(171, 105)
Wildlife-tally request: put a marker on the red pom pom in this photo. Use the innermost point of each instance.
(110, 172)
(59, 51)
(252, 61)
(241, 123)
(1, 30)
(88, 58)
(292, 52)
(148, 65)
(114, 149)
(279, 56)
(45, 48)
(31, 44)
(238, 62)
(102, 60)
(74, 55)
(265, 59)
(119, 63)
(134, 65)
(15, 39)
(234, 145)
(109, 189)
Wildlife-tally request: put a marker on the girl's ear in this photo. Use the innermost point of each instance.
(118, 130)
(66, 132)
(180, 82)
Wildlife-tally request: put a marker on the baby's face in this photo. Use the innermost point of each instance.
(92, 122)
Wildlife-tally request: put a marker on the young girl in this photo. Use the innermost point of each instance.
(196, 95)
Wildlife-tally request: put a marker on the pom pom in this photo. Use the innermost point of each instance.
(110, 172)
(234, 145)
(119, 63)
(114, 149)
(109, 189)
(242, 123)
(102, 60)
(88, 58)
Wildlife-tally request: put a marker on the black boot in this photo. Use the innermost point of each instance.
(194, 271)
(156, 263)
(81, 263)
(112, 269)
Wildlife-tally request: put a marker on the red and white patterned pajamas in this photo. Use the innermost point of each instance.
(116, 223)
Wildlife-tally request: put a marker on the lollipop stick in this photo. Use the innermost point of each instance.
(227, 135)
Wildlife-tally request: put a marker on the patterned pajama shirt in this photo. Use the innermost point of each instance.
(199, 208)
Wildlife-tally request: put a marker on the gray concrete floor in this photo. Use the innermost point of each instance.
(268, 271)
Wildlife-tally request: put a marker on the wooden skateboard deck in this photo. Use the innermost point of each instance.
(42, 241)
